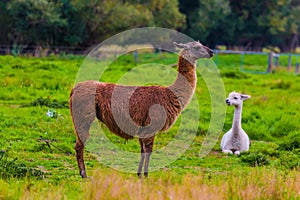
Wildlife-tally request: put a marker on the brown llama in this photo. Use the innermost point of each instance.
(150, 109)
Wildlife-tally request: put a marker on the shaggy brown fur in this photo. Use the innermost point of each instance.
(141, 117)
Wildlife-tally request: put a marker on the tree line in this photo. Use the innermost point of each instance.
(247, 24)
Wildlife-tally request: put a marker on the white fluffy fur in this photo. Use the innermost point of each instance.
(236, 139)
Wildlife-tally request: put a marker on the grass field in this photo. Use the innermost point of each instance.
(37, 159)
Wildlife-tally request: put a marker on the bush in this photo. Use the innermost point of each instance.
(289, 160)
(11, 168)
(234, 74)
(280, 84)
(47, 102)
(255, 159)
(290, 144)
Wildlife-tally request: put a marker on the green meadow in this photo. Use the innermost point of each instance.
(37, 157)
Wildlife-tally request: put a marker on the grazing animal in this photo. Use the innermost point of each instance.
(135, 111)
(236, 139)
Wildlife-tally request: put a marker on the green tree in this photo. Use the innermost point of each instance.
(166, 13)
(251, 23)
(103, 19)
(74, 30)
(35, 22)
(284, 24)
(188, 7)
(266, 23)
(5, 23)
(208, 20)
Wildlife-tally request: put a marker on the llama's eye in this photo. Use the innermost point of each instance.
(235, 98)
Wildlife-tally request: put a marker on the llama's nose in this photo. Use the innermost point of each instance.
(209, 51)
(227, 101)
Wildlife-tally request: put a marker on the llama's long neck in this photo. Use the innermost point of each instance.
(237, 119)
(185, 83)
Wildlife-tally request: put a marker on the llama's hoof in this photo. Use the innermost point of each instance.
(139, 175)
(237, 153)
(83, 174)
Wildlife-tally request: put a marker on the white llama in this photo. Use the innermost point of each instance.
(236, 139)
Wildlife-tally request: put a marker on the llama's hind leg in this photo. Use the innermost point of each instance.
(82, 137)
(79, 148)
(83, 112)
(82, 132)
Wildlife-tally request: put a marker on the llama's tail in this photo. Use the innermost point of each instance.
(71, 102)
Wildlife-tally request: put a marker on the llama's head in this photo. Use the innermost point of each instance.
(195, 50)
(236, 99)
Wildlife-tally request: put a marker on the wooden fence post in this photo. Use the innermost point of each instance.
(135, 55)
(290, 62)
(276, 56)
(216, 57)
(270, 62)
(297, 67)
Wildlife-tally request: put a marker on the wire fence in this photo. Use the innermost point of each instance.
(40, 51)
(250, 61)
(247, 61)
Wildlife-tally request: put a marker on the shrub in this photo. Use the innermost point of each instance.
(280, 84)
(47, 102)
(234, 75)
(255, 159)
(11, 168)
(290, 144)
(289, 160)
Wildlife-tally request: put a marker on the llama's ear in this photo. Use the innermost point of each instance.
(245, 97)
(180, 45)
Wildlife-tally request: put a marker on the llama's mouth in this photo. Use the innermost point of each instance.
(211, 53)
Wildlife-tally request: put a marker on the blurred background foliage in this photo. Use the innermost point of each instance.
(246, 24)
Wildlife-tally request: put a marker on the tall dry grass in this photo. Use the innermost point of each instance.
(256, 184)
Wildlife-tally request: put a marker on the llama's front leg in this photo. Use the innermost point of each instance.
(146, 150)
(147, 155)
(142, 159)
(79, 147)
